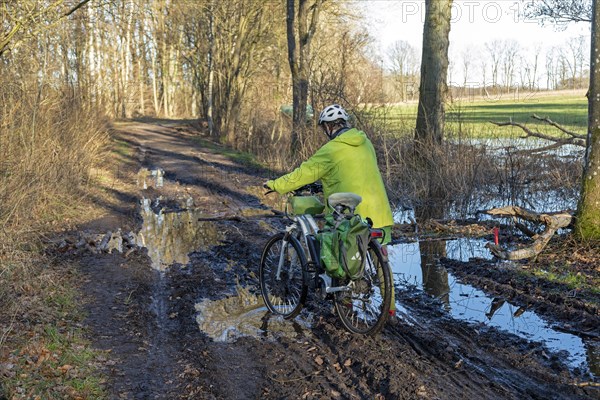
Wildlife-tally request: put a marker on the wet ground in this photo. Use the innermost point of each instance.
(180, 315)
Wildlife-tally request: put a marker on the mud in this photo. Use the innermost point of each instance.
(149, 319)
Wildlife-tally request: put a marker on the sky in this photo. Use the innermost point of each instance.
(474, 23)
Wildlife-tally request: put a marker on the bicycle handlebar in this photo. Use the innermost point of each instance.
(311, 188)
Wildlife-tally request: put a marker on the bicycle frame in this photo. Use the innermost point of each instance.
(309, 228)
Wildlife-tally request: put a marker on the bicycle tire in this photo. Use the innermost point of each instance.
(284, 295)
(365, 309)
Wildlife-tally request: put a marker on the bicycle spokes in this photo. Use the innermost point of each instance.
(282, 276)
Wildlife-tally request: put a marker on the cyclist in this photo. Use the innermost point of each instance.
(346, 163)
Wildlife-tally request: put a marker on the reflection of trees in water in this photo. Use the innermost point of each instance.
(435, 276)
(593, 353)
(171, 236)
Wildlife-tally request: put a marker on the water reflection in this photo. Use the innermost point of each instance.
(416, 264)
(434, 275)
(146, 177)
(593, 351)
(245, 314)
(170, 236)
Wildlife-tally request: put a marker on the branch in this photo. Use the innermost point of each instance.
(21, 23)
(77, 7)
(553, 222)
(574, 139)
(559, 127)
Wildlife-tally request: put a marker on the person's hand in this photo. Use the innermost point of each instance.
(268, 185)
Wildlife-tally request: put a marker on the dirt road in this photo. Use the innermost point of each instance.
(147, 314)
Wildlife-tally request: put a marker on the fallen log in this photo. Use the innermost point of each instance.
(552, 221)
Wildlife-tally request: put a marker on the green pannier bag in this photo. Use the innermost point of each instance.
(306, 205)
(344, 247)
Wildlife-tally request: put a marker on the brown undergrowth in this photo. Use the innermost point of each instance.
(53, 169)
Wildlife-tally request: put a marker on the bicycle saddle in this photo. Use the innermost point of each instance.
(350, 200)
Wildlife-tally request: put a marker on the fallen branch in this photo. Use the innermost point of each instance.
(240, 218)
(548, 121)
(573, 138)
(553, 222)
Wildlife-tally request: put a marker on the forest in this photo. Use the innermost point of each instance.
(123, 123)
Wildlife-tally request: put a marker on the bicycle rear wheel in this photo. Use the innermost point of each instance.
(365, 308)
(282, 275)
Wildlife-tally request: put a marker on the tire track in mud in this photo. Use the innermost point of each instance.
(147, 318)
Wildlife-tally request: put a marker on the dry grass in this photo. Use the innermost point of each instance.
(47, 147)
(49, 143)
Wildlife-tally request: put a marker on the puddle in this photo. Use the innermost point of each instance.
(170, 234)
(228, 319)
(415, 265)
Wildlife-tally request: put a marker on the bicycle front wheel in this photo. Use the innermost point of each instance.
(365, 308)
(283, 277)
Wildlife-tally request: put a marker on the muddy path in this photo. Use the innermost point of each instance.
(146, 307)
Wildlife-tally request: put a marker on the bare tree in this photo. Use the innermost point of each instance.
(467, 57)
(510, 51)
(404, 64)
(574, 59)
(530, 67)
(560, 11)
(494, 50)
(26, 18)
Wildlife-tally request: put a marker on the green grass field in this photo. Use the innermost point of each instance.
(471, 116)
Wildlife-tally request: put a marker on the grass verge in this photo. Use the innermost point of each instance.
(44, 348)
(44, 351)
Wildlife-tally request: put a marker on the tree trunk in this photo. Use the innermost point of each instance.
(299, 36)
(434, 70)
(588, 212)
(211, 72)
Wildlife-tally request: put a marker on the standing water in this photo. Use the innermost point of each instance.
(171, 234)
(417, 265)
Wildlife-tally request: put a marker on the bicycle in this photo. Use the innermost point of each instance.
(290, 265)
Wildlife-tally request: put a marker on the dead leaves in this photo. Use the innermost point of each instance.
(339, 368)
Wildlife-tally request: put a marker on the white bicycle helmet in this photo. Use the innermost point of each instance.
(333, 113)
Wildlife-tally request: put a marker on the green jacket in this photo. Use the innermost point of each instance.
(346, 163)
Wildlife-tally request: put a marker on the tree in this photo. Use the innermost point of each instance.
(560, 11)
(404, 66)
(495, 49)
(588, 210)
(301, 27)
(27, 17)
(509, 55)
(429, 131)
(434, 71)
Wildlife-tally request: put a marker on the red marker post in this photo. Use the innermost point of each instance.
(496, 231)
